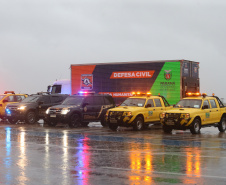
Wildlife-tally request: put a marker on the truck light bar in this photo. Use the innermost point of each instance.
(193, 94)
(9, 92)
(141, 94)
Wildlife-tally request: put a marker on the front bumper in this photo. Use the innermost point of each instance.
(57, 118)
(118, 118)
(176, 123)
(15, 114)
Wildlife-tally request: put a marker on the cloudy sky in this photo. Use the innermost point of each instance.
(40, 39)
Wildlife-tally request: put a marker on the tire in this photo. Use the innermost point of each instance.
(103, 123)
(31, 117)
(75, 121)
(52, 123)
(195, 126)
(167, 129)
(138, 124)
(12, 120)
(113, 127)
(222, 125)
(84, 124)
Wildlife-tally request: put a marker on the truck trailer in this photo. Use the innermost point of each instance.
(169, 78)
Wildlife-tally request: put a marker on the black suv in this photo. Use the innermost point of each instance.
(33, 108)
(79, 110)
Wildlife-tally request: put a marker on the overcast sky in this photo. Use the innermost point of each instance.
(39, 40)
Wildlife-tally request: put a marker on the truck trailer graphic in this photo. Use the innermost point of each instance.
(171, 78)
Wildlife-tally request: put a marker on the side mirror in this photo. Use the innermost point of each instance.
(205, 107)
(4, 101)
(148, 105)
(174, 105)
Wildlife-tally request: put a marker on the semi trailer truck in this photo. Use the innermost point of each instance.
(169, 78)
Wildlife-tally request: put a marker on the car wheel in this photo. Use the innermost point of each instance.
(167, 129)
(138, 123)
(84, 124)
(31, 117)
(12, 120)
(103, 123)
(222, 124)
(75, 121)
(113, 127)
(195, 126)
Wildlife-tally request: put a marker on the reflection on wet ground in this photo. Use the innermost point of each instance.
(34, 154)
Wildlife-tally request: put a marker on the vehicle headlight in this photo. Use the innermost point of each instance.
(21, 107)
(185, 116)
(65, 111)
(107, 113)
(47, 111)
(162, 115)
(128, 113)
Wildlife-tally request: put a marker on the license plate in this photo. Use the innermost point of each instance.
(52, 115)
(170, 122)
(113, 121)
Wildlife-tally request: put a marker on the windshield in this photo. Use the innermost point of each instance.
(1, 97)
(189, 103)
(73, 100)
(136, 102)
(31, 99)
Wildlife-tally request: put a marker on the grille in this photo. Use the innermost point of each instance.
(12, 108)
(173, 115)
(55, 111)
(115, 114)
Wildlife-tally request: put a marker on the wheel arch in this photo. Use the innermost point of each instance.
(140, 115)
(223, 116)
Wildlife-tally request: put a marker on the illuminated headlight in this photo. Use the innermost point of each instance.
(47, 111)
(128, 113)
(162, 115)
(185, 116)
(21, 107)
(65, 111)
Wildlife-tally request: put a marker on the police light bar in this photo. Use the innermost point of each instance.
(85, 92)
(193, 94)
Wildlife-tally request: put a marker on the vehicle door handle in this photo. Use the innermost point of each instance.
(210, 110)
(217, 110)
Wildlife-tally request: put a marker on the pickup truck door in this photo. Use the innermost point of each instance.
(159, 108)
(215, 111)
(207, 114)
(150, 113)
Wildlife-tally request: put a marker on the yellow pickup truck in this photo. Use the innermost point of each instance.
(194, 112)
(137, 111)
(9, 97)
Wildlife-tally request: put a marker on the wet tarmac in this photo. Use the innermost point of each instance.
(37, 154)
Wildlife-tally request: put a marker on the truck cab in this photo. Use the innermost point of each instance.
(137, 111)
(60, 87)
